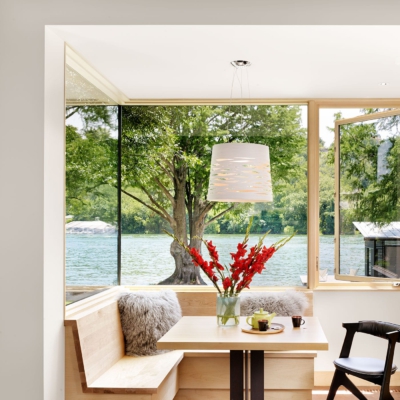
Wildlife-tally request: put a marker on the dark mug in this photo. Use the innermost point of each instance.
(297, 321)
(262, 325)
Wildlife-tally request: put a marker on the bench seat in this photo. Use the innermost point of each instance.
(137, 374)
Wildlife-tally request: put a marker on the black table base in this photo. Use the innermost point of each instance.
(239, 373)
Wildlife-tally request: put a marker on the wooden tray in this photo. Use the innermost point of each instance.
(270, 331)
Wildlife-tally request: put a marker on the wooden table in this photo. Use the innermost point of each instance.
(203, 333)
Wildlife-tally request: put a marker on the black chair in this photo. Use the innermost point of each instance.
(371, 369)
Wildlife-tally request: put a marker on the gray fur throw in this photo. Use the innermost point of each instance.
(282, 303)
(145, 318)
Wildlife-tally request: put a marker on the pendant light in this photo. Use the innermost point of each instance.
(240, 172)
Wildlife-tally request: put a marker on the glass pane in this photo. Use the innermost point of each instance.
(79, 91)
(369, 198)
(91, 200)
(166, 155)
(327, 118)
(91, 186)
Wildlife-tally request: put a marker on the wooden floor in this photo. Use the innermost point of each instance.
(345, 395)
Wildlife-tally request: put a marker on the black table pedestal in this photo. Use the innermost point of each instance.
(236, 375)
(239, 375)
(257, 374)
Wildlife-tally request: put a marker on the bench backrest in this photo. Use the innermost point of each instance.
(98, 340)
(205, 303)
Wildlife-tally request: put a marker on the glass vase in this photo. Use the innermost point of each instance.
(228, 310)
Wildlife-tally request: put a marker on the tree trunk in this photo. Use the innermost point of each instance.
(197, 215)
(197, 225)
(185, 272)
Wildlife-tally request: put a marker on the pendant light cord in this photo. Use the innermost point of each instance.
(240, 80)
(241, 97)
(231, 98)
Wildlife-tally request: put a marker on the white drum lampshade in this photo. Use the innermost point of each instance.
(240, 172)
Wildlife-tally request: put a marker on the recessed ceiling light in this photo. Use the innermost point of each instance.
(384, 84)
(241, 63)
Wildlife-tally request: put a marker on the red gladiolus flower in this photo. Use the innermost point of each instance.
(226, 283)
(207, 267)
(241, 251)
(236, 275)
(245, 263)
(212, 250)
(214, 255)
(196, 257)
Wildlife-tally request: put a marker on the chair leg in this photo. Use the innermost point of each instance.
(348, 384)
(385, 394)
(341, 379)
(334, 386)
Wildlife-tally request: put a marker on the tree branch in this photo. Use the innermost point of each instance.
(212, 118)
(188, 189)
(72, 113)
(219, 215)
(75, 198)
(206, 209)
(161, 208)
(147, 205)
(165, 170)
(165, 190)
(170, 165)
(91, 188)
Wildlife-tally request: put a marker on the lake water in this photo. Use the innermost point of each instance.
(92, 259)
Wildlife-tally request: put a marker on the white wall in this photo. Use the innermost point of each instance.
(335, 307)
(54, 220)
(31, 256)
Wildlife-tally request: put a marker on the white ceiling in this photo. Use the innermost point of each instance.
(157, 62)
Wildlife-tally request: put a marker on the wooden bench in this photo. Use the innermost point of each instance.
(96, 361)
(97, 368)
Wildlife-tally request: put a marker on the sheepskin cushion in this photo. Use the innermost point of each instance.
(282, 303)
(145, 318)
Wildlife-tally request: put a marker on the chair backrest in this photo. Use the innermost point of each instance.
(377, 328)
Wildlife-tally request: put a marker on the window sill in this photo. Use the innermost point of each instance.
(357, 286)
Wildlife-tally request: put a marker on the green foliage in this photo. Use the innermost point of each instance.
(94, 117)
(187, 134)
(291, 198)
(156, 138)
(326, 191)
(136, 218)
(91, 166)
(370, 194)
(289, 230)
(102, 204)
(271, 219)
(164, 145)
(366, 194)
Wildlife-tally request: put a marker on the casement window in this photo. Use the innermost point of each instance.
(367, 206)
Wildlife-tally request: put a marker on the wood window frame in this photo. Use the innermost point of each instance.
(338, 124)
(363, 284)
